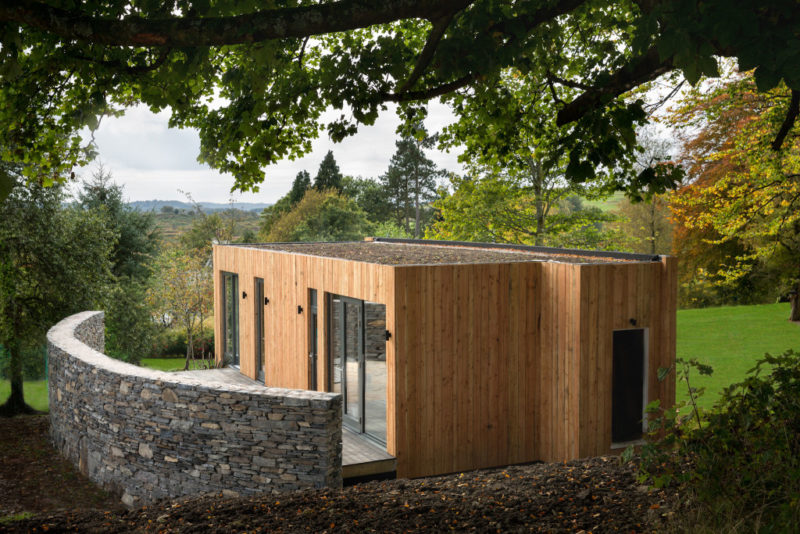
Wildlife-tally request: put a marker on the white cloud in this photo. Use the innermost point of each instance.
(154, 162)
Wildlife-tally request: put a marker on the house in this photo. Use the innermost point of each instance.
(456, 356)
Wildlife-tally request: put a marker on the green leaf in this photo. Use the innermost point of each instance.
(6, 185)
(663, 372)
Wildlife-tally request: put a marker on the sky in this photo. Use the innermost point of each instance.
(152, 161)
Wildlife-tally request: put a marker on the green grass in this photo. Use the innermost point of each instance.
(731, 339)
(607, 204)
(13, 518)
(35, 393)
(169, 364)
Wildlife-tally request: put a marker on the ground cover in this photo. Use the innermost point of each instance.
(40, 492)
(34, 478)
(731, 339)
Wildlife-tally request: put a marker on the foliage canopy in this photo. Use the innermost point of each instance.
(255, 78)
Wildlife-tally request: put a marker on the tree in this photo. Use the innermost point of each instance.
(502, 209)
(742, 196)
(271, 214)
(277, 68)
(646, 225)
(207, 229)
(129, 324)
(516, 190)
(321, 216)
(410, 182)
(645, 222)
(328, 175)
(299, 187)
(370, 196)
(183, 291)
(137, 236)
(54, 261)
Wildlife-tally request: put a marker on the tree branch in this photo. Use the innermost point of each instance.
(567, 83)
(636, 72)
(215, 31)
(425, 57)
(433, 92)
(788, 122)
(122, 67)
(508, 26)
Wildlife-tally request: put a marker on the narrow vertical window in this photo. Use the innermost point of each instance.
(258, 303)
(230, 323)
(313, 336)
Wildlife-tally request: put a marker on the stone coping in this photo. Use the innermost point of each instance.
(62, 335)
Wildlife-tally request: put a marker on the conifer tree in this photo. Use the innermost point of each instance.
(328, 175)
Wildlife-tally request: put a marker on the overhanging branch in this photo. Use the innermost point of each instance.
(638, 71)
(433, 92)
(788, 122)
(254, 27)
(425, 57)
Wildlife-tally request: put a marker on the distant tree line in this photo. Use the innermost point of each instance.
(334, 207)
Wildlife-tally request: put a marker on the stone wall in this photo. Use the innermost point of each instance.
(147, 435)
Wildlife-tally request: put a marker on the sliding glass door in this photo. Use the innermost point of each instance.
(358, 346)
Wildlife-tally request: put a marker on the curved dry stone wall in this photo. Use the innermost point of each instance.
(147, 435)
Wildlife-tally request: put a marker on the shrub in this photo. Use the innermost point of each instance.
(171, 343)
(739, 463)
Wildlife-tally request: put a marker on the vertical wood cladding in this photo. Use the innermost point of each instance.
(488, 364)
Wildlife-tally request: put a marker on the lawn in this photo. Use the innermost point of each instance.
(35, 393)
(607, 204)
(170, 364)
(731, 339)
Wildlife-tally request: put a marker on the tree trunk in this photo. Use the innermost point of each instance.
(794, 314)
(416, 216)
(189, 348)
(15, 405)
(653, 225)
(536, 170)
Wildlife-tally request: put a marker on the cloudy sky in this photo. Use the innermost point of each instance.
(154, 162)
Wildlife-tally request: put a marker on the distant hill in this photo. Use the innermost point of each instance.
(208, 207)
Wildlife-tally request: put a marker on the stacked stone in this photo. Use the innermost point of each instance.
(149, 436)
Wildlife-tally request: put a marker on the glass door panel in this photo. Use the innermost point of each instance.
(336, 343)
(375, 370)
(353, 361)
(358, 364)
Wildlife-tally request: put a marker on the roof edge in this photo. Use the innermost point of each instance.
(529, 248)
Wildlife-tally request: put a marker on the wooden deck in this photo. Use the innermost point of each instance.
(228, 376)
(360, 457)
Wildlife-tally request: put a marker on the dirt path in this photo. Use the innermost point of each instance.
(595, 495)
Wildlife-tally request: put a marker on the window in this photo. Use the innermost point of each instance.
(230, 314)
(259, 327)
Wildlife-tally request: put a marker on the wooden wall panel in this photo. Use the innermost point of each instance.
(465, 380)
(287, 279)
(487, 364)
(612, 296)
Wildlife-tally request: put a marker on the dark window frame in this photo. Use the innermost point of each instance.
(230, 282)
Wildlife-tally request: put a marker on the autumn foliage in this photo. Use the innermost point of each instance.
(737, 220)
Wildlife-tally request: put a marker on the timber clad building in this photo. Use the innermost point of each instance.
(456, 356)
